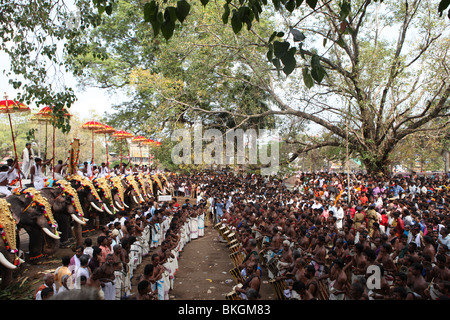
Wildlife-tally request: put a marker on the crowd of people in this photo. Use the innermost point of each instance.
(103, 268)
(326, 236)
(334, 237)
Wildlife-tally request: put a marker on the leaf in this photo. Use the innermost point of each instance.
(226, 13)
(236, 22)
(274, 34)
(150, 10)
(345, 10)
(317, 70)
(312, 3)
(290, 5)
(280, 48)
(442, 6)
(204, 2)
(276, 4)
(307, 79)
(289, 61)
(298, 35)
(182, 11)
(168, 26)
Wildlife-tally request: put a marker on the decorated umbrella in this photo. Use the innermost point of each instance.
(92, 126)
(11, 106)
(139, 140)
(106, 130)
(121, 135)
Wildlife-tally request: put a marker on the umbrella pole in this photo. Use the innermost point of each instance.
(121, 154)
(53, 169)
(92, 161)
(46, 139)
(15, 150)
(107, 159)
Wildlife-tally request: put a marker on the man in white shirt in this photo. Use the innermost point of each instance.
(27, 159)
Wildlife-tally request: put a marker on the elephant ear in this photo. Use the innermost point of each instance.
(19, 204)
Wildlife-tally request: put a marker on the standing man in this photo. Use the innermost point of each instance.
(27, 159)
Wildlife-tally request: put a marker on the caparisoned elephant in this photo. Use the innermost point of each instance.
(65, 212)
(9, 260)
(89, 199)
(32, 212)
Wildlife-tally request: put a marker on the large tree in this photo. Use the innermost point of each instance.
(380, 71)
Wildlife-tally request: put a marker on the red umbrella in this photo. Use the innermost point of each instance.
(93, 126)
(11, 106)
(121, 135)
(106, 130)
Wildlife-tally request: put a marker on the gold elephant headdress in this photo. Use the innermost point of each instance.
(85, 182)
(40, 200)
(68, 189)
(8, 229)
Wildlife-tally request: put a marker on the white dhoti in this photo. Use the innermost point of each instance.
(194, 228)
(109, 290)
(5, 190)
(155, 235)
(39, 182)
(201, 225)
(160, 288)
(119, 284)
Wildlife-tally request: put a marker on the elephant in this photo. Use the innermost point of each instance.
(89, 199)
(9, 260)
(66, 210)
(132, 192)
(32, 212)
(118, 192)
(103, 187)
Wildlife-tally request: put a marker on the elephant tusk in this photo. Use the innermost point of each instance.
(118, 205)
(142, 199)
(106, 209)
(125, 205)
(6, 263)
(93, 205)
(135, 200)
(76, 219)
(50, 234)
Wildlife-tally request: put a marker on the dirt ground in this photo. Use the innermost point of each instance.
(203, 272)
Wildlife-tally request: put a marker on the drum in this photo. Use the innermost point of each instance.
(237, 258)
(262, 254)
(222, 229)
(237, 276)
(278, 287)
(225, 235)
(218, 225)
(235, 248)
(232, 236)
(233, 295)
(234, 242)
(272, 266)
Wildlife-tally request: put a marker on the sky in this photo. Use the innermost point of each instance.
(90, 100)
